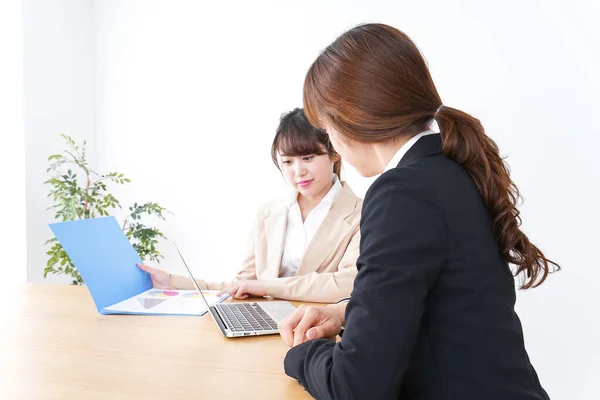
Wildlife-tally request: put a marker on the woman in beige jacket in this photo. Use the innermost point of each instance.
(303, 247)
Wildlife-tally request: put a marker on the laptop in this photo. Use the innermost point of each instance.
(244, 318)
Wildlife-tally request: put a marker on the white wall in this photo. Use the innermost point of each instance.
(188, 99)
(188, 96)
(58, 37)
(12, 162)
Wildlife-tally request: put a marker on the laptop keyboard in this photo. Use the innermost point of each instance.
(246, 317)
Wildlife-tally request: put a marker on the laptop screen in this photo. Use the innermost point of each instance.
(192, 278)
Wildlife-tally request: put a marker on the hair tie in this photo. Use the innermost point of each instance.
(437, 111)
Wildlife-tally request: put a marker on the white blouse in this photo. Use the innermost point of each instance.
(298, 235)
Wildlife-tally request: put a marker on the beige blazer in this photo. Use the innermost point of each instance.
(327, 270)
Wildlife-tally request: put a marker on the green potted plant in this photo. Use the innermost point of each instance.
(79, 192)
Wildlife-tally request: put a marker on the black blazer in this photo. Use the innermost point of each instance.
(432, 310)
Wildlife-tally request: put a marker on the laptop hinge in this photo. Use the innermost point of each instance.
(220, 320)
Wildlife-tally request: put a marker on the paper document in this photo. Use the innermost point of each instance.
(167, 302)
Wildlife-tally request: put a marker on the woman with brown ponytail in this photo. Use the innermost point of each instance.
(431, 315)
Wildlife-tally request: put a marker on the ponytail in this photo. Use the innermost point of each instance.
(464, 141)
(373, 85)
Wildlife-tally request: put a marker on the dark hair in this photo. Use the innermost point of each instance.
(373, 85)
(295, 136)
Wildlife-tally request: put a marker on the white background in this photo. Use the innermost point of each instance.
(184, 97)
(12, 144)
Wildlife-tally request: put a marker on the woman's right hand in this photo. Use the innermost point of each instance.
(160, 278)
(312, 322)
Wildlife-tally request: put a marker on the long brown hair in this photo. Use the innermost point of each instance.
(295, 136)
(373, 85)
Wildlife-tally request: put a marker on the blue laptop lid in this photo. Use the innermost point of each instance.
(104, 258)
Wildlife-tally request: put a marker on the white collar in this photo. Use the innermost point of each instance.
(334, 192)
(404, 149)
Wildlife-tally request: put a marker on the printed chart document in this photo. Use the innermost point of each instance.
(166, 302)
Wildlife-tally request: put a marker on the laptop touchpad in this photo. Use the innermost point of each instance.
(278, 310)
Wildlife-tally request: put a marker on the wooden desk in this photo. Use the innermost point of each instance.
(54, 345)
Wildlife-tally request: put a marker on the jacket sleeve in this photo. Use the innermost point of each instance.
(326, 287)
(403, 249)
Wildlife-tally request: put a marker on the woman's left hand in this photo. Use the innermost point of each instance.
(243, 289)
